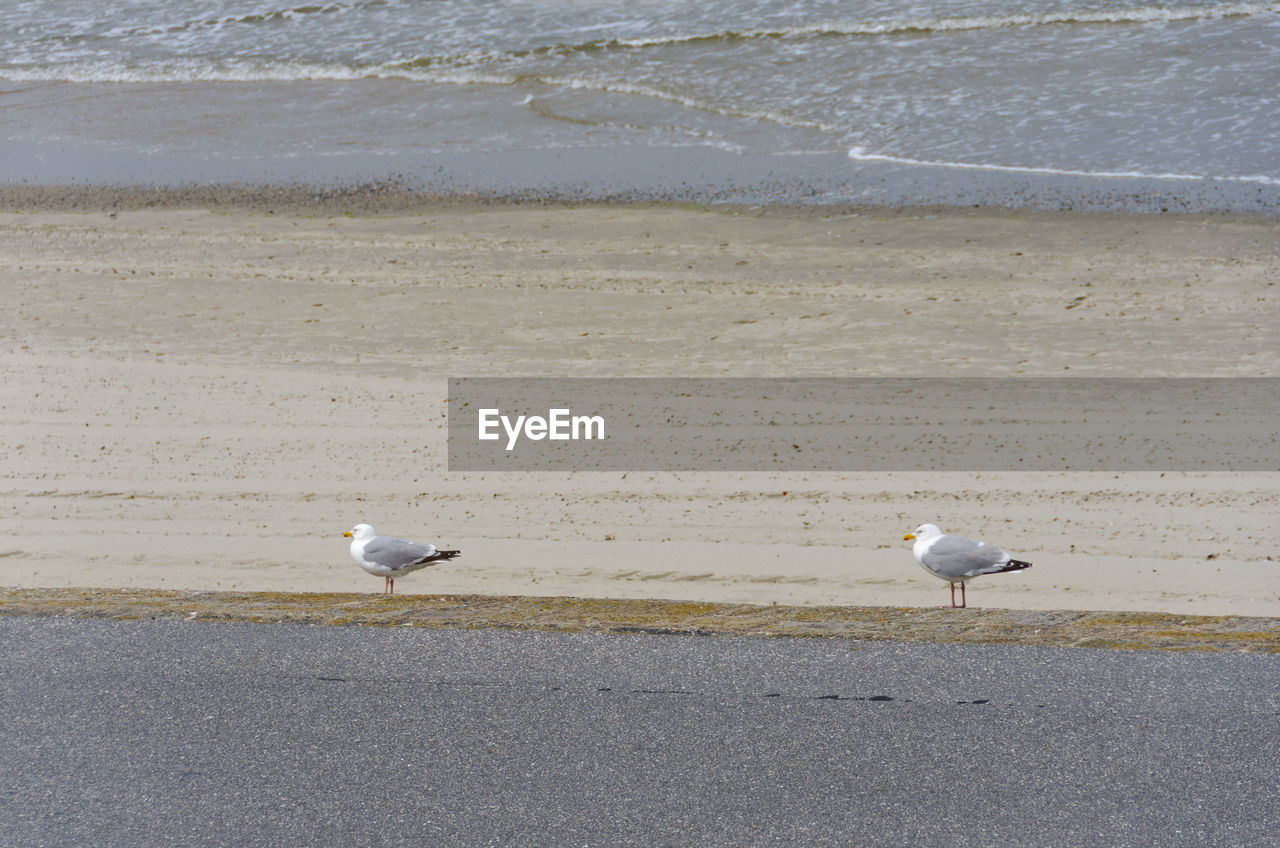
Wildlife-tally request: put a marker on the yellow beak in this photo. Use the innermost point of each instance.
(908, 537)
(347, 534)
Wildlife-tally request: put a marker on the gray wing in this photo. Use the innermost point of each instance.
(391, 552)
(956, 556)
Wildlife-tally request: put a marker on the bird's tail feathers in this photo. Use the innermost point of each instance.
(438, 556)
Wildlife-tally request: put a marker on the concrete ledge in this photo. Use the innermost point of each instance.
(1125, 630)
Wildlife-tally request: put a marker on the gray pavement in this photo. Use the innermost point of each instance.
(163, 733)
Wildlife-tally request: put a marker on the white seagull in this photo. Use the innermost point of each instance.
(389, 557)
(956, 559)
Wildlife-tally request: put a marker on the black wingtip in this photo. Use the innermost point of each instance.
(1016, 565)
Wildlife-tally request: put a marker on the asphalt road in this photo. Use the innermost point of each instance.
(157, 733)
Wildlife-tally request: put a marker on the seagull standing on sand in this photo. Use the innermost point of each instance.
(389, 557)
(956, 559)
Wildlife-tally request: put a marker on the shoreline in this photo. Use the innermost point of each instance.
(53, 178)
(391, 196)
(1047, 629)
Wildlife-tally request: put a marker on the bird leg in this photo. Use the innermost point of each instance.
(388, 586)
(953, 596)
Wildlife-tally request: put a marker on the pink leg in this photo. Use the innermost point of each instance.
(953, 595)
(393, 584)
(963, 602)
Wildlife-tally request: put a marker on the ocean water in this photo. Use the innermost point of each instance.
(1077, 103)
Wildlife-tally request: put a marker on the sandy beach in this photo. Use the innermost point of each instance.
(206, 395)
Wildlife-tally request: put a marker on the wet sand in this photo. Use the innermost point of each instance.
(204, 393)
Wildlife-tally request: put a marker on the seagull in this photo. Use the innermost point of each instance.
(389, 557)
(956, 559)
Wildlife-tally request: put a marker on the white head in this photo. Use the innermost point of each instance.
(360, 532)
(923, 532)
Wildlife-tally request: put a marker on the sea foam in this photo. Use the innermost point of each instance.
(860, 155)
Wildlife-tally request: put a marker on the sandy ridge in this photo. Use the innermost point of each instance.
(1057, 628)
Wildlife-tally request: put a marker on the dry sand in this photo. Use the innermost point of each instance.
(200, 399)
